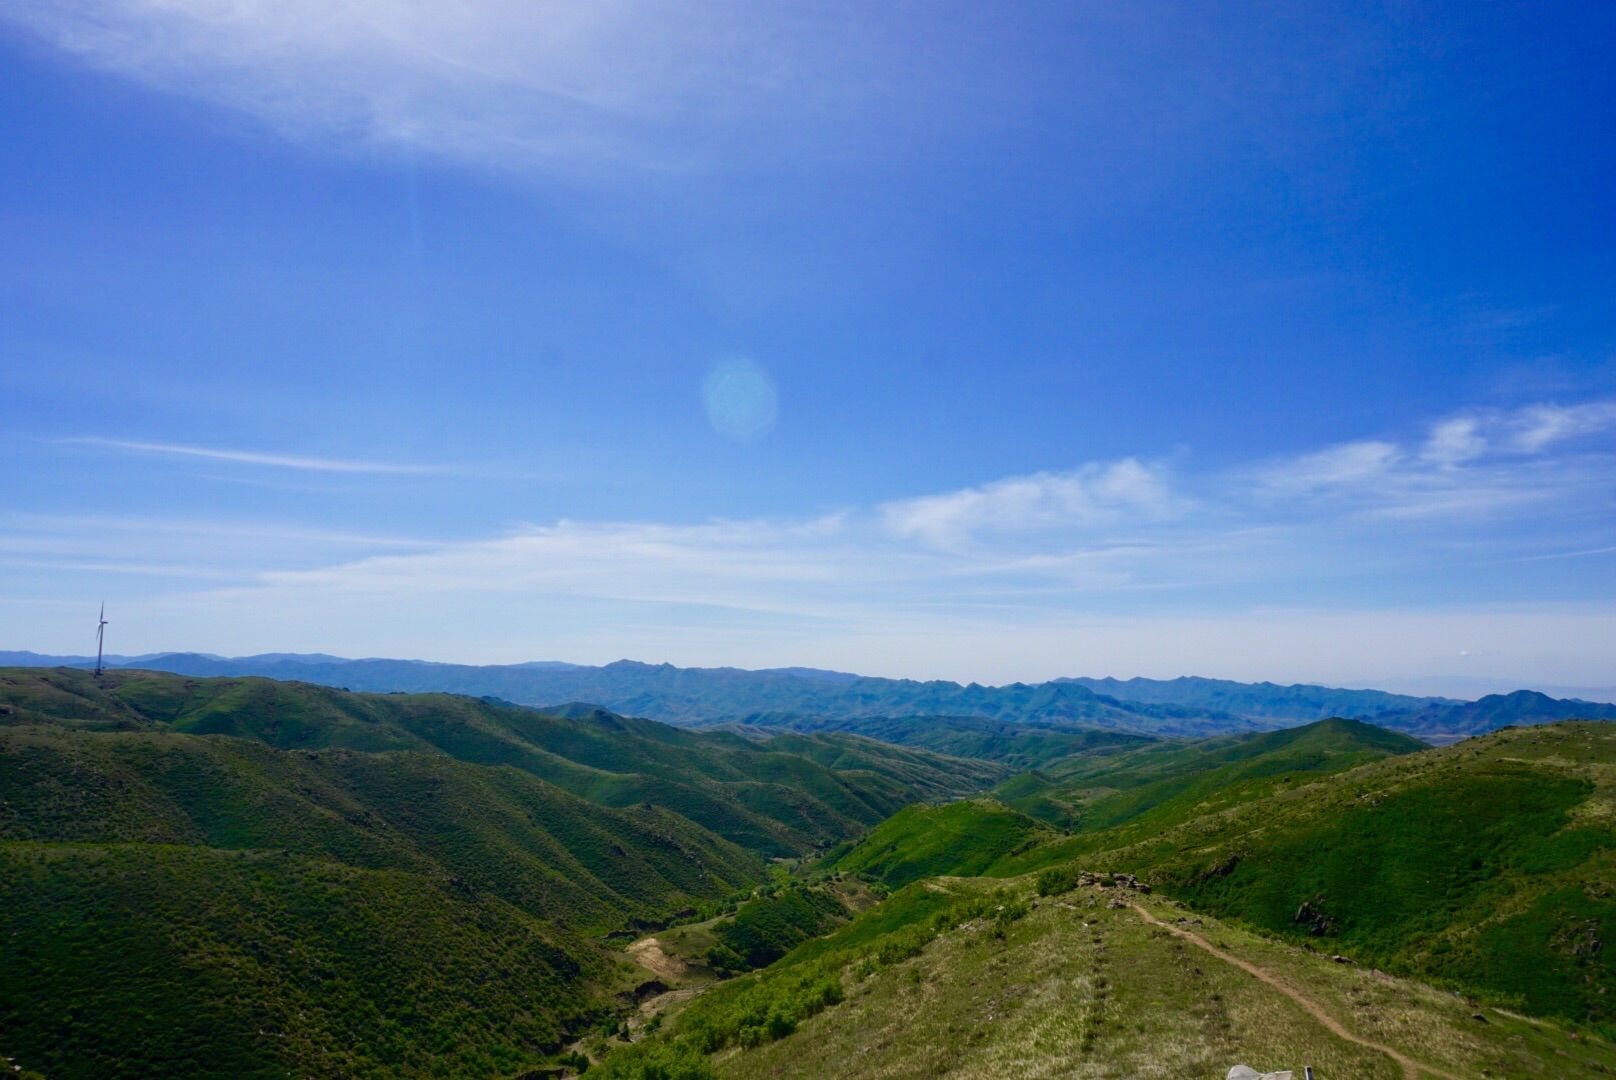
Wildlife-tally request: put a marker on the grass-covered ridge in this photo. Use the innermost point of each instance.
(1092, 791)
(960, 839)
(1489, 866)
(1020, 745)
(777, 802)
(244, 878)
(983, 978)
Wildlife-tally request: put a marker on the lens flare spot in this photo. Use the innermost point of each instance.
(740, 399)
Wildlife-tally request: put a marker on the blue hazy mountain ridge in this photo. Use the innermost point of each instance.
(803, 698)
(1188, 705)
(1299, 701)
(703, 695)
(1496, 711)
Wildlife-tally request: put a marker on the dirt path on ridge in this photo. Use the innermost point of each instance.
(1411, 1068)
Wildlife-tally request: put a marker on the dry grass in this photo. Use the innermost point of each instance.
(1081, 990)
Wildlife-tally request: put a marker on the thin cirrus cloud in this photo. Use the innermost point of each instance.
(1095, 494)
(1471, 461)
(1036, 561)
(297, 462)
(1119, 526)
(510, 83)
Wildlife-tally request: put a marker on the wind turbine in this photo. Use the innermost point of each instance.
(100, 638)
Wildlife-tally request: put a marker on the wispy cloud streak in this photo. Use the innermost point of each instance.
(1407, 522)
(527, 84)
(298, 462)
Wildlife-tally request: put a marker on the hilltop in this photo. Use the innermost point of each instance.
(325, 882)
(1091, 791)
(1489, 866)
(330, 883)
(1254, 927)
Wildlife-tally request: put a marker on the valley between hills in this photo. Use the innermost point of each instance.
(227, 875)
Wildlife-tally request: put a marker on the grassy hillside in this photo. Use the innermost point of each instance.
(1490, 865)
(776, 802)
(1096, 791)
(129, 960)
(496, 829)
(963, 838)
(245, 878)
(1017, 745)
(705, 695)
(984, 979)
(185, 905)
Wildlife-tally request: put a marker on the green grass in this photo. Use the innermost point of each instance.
(1489, 866)
(963, 838)
(775, 801)
(1099, 790)
(142, 960)
(939, 981)
(237, 877)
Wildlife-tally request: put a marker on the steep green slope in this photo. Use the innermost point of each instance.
(497, 829)
(1093, 791)
(1017, 745)
(187, 905)
(963, 838)
(775, 802)
(138, 961)
(1489, 866)
(244, 878)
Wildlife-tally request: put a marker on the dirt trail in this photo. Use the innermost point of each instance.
(1411, 1068)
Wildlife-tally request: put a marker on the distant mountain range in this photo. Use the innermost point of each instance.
(804, 698)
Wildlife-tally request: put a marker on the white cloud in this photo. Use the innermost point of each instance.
(1538, 427)
(1346, 465)
(1454, 440)
(1049, 573)
(252, 457)
(511, 83)
(1095, 494)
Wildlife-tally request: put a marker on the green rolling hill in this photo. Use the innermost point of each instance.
(1017, 745)
(776, 802)
(1097, 790)
(239, 877)
(1489, 866)
(1468, 890)
(242, 877)
(962, 838)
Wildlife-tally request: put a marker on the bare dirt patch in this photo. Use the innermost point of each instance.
(647, 952)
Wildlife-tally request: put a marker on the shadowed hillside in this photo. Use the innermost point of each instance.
(1018, 745)
(239, 877)
(775, 802)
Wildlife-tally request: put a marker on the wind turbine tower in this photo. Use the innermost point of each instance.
(100, 638)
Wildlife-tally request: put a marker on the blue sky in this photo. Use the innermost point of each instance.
(982, 342)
